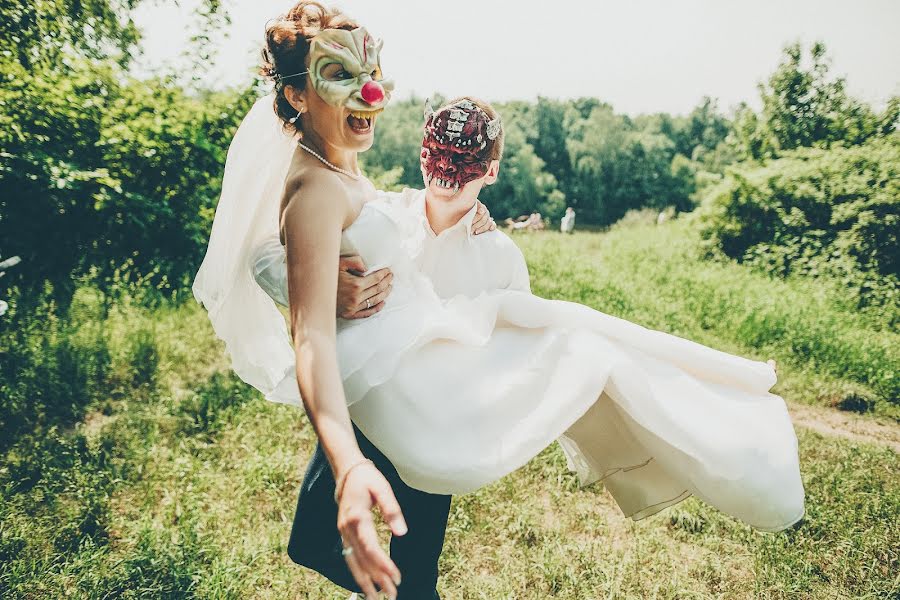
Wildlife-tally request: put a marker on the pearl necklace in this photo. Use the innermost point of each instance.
(328, 164)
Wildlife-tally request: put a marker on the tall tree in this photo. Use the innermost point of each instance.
(804, 106)
(524, 185)
(549, 139)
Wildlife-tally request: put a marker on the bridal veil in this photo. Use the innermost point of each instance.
(242, 315)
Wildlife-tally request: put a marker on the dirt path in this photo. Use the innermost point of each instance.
(847, 425)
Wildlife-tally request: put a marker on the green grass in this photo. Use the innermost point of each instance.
(181, 482)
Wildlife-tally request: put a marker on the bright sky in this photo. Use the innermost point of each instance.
(640, 55)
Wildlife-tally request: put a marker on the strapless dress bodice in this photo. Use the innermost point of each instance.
(383, 236)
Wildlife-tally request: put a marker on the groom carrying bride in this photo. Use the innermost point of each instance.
(457, 390)
(463, 253)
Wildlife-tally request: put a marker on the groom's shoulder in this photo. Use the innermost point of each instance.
(503, 260)
(496, 241)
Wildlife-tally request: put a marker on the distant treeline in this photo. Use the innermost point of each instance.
(577, 153)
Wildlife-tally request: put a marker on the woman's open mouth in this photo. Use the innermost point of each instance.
(361, 122)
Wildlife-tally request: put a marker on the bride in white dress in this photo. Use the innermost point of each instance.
(459, 393)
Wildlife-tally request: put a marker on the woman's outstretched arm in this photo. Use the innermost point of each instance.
(317, 209)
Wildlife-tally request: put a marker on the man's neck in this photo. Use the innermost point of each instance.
(443, 215)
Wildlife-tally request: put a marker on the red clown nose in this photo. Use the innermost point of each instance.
(372, 92)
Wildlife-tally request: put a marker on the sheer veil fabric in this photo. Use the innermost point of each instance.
(242, 315)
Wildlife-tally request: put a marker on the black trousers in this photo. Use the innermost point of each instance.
(316, 543)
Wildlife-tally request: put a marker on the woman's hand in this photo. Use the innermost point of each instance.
(483, 221)
(363, 488)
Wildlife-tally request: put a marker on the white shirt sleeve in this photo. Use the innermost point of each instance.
(519, 279)
(510, 271)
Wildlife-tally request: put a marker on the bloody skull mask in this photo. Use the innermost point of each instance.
(457, 145)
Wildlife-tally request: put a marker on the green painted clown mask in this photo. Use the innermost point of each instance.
(345, 70)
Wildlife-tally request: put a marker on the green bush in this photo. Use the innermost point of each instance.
(814, 213)
(115, 171)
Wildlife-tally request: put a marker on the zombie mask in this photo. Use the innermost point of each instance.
(345, 70)
(457, 145)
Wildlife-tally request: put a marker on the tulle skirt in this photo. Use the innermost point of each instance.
(458, 394)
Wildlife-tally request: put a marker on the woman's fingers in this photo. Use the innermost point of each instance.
(489, 225)
(482, 220)
(356, 524)
(359, 575)
(390, 508)
(379, 565)
(387, 586)
(371, 557)
(363, 488)
(361, 555)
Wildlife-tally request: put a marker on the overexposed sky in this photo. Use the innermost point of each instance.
(639, 55)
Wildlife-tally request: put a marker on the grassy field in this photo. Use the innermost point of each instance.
(182, 483)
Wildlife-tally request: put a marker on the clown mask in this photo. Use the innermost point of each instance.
(457, 146)
(345, 70)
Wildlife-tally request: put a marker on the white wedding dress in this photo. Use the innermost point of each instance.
(459, 393)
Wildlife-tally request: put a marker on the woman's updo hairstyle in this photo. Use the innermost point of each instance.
(287, 44)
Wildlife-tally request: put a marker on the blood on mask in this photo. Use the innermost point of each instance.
(456, 147)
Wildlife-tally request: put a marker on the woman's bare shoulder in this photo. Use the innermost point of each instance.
(312, 192)
(311, 183)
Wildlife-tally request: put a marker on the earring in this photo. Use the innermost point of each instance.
(294, 120)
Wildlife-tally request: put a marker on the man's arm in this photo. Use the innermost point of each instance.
(358, 296)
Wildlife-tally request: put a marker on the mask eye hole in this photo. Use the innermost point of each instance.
(335, 72)
(376, 73)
